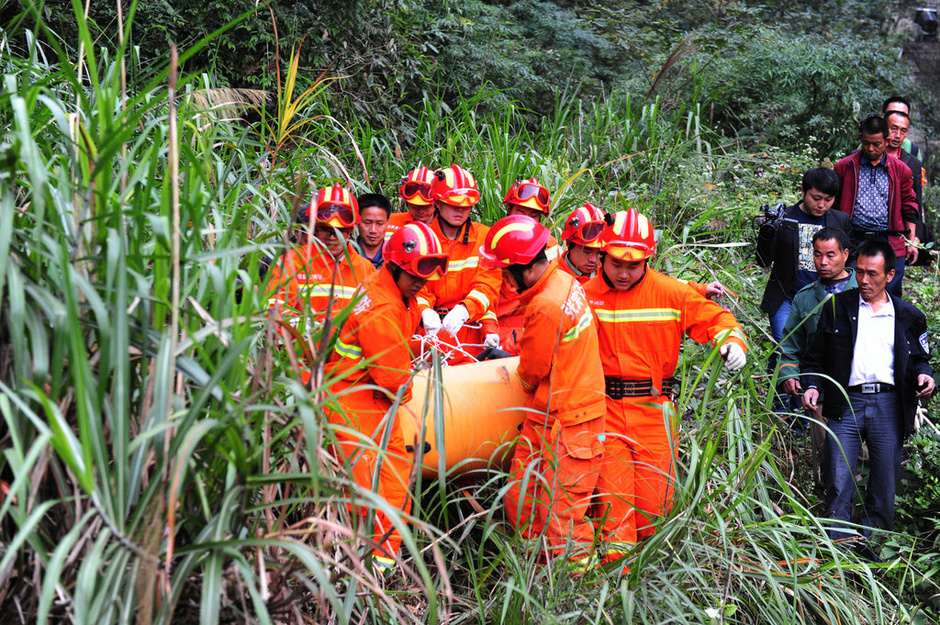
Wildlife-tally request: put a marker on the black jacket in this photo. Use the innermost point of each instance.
(778, 247)
(833, 346)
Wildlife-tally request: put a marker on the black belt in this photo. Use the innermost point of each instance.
(875, 387)
(618, 388)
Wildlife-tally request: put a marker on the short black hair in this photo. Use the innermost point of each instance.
(876, 247)
(873, 125)
(832, 234)
(822, 179)
(892, 100)
(367, 200)
(901, 113)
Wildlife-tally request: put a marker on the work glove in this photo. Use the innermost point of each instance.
(491, 340)
(455, 319)
(431, 321)
(733, 355)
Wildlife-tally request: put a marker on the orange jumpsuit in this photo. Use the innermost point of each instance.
(373, 350)
(396, 221)
(640, 332)
(508, 309)
(465, 282)
(555, 463)
(302, 280)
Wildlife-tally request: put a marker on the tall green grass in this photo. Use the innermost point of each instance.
(163, 461)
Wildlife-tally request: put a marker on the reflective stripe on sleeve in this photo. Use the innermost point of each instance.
(576, 329)
(324, 290)
(348, 351)
(480, 297)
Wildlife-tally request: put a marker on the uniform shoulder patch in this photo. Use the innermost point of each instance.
(923, 343)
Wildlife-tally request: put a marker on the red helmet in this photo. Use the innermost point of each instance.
(629, 236)
(337, 207)
(528, 193)
(513, 240)
(416, 249)
(416, 187)
(584, 226)
(456, 186)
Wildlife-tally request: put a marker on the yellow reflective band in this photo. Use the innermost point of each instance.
(552, 252)
(423, 302)
(388, 234)
(506, 230)
(323, 290)
(348, 351)
(488, 315)
(641, 314)
(460, 265)
(575, 330)
(733, 332)
(644, 224)
(480, 297)
(619, 222)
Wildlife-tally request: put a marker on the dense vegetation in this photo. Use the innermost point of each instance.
(161, 460)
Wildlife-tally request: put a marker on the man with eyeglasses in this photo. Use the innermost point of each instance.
(371, 368)
(324, 270)
(878, 195)
(898, 128)
(415, 192)
(468, 291)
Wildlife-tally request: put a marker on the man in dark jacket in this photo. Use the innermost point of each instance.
(878, 194)
(870, 354)
(786, 244)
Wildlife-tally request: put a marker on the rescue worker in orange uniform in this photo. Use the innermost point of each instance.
(642, 316)
(561, 440)
(415, 191)
(371, 366)
(529, 198)
(468, 291)
(324, 265)
(582, 237)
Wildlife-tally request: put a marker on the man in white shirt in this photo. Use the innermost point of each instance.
(871, 346)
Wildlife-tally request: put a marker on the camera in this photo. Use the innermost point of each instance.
(772, 214)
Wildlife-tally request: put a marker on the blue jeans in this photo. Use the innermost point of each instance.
(779, 319)
(876, 419)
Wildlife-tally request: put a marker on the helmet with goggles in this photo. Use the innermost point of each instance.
(416, 249)
(528, 193)
(337, 207)
(628, 236)
(416, 187)
(584, 226)
(455, 186)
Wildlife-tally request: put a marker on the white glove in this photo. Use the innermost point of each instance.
(733, 355)
(491, 340)
(431, 321)
(455, 319)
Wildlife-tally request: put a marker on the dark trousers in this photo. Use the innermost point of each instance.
(876, 419)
